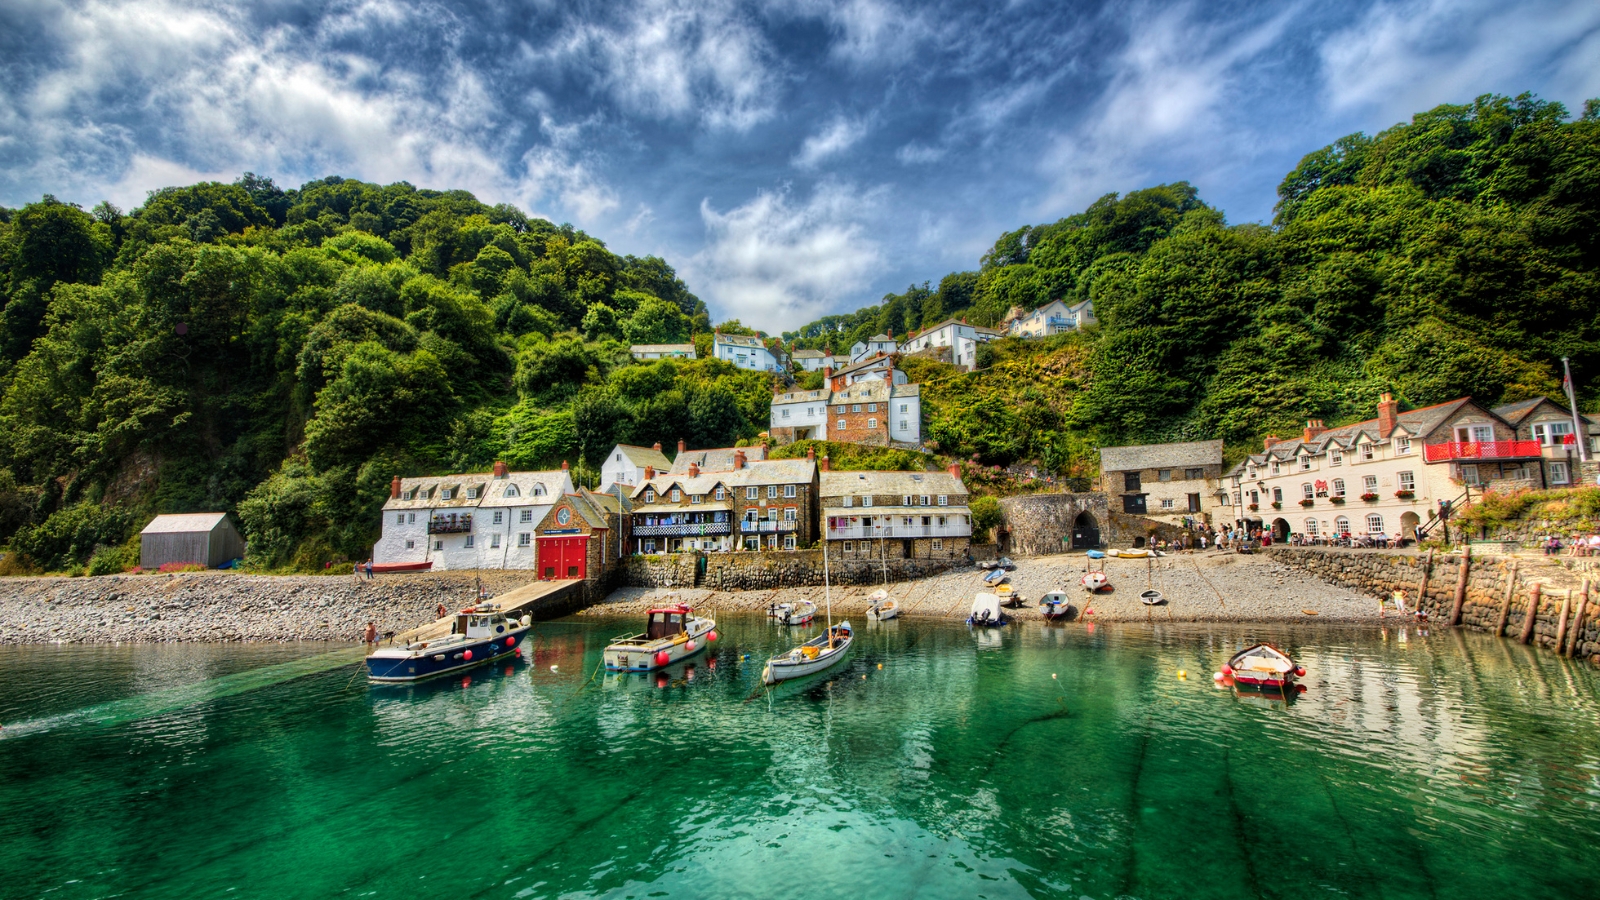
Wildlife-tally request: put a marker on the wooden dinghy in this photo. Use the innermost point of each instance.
(883, 607)
(1263, 667)
(1151, 598)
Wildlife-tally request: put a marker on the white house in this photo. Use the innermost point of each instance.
(799, 416)
(625, 464)
(878, 343)
(961, 338)
(810, 360)
(873, 368)
(662, 351)
(467, 521)
(744, 351)
(1055, 317)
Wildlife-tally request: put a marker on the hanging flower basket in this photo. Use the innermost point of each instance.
(1336, 498)
(1277, 505)
(1369, 496)
(1405, 495)
(1254, 507)
(1307, 502)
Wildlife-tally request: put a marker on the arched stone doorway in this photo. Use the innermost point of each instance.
(1280, 530)
(1085, 532)
(1408, 525)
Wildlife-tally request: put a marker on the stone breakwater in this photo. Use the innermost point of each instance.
(206, 606)
(1201, 587)
(1488, 586)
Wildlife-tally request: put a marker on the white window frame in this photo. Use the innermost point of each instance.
(772, 492)
(677, 495)
(944, 499)
(1338, 487)
(526, 517)
(1367, 452)
(789, 490)
(499, 516)
(494, 542)
(1402, 446)
(1309, 491)
(1374, 523)
(872, 423)
(1335, 458)
(524, 539)
(1558, 472)
(468, 545)
(411, 545)
(1369, 484)
(1406, 481)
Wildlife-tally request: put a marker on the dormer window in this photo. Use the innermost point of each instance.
(649, 495)
(722, 493)
(1305, 463)
(1402, 446)
(446, 493)
(511, 491)
(539, 491)
(677, 496)
(1335, 458)
(472, 493)
(1366, 451)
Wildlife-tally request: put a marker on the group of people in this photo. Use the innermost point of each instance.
(1579, 546)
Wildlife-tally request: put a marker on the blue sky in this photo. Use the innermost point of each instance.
(790, 158)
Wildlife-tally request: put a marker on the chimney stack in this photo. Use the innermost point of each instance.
(563, 465)
(811, 454)
(1388, 414)
(738, 460)
(955, 470)
(681, 447)
(650, 472)
(763, 449)
(394, 488)
(500, 470)
(1313, 428)
(1268, 442)
(825, 464)
(694, 470)
(656, 446)
(827, 373)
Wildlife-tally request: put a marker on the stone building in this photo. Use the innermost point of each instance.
(1168, 482)
(876, 413)
(583, 536)
(753, 504)
(895, 515)
(472, 520)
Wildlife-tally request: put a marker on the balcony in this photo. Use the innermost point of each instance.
(873, 532)
(451, 524)
(1474, 450)
(768, 526)
(682, 529)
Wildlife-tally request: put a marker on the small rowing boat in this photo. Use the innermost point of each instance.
(996, 576)
(1055, 606)
(812, 657)
(800, 613)
(883, 607)
(1151, 598)
(1134, 553)
(1263, 667)
(1093, 581)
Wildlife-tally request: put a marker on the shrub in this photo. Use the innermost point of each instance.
(109, 561)
(985, 515)
(69, 536)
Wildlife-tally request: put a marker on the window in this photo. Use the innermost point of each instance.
(1311, 527)
(1194, 503)
(905, 407)
(772, 491)
(790, 514)
(789, 490)
(411, 518)
(524, 539)
(468, 544)
(472, 493)
(847, 548)
(751, 493)
(1305, 463)
(525, 516)
(650, 545)
(494, 542)
(1308, 491)
(849, 500)
(938, 544)
(872, 407)
(1255, 498)
(1402, 446)
(1277, 495)
(411, 545)
(399, 518)
(1335, 458)
(1167, 503)
(925, 499)
(867, 500)
(1474, 434)
(841, 425)
(1163, 474)
(722, 493)
(438, 545)
(1374, 523)
(904, 426)
(905, 500)
(1558, 472)
(1551, 433)
(697, 498)
(1252, 474)
(1338, 487)
(855, 407)
(538, 490)
(649, 495)
(786, 413)
(445, 493)
(1130, 481)
(1274, 467)
(788, 542)
(1341, 525)
(872, 423)
(1366, 451)
(1369, 483)
(677, 496)
(1194, 474)
(1469, 474)
(1408, 482)
(499, 517)
(944, 499)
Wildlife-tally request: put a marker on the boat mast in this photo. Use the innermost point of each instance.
(827, 594)
(1579, 434)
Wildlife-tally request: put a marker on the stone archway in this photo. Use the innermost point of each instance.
(1085, 531)
(1408, 525)
(1280, 530)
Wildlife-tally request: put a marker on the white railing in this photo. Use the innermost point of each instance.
(874, 532)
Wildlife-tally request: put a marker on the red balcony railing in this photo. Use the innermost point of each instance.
(1454, 450)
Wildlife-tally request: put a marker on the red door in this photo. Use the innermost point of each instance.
(563, 557)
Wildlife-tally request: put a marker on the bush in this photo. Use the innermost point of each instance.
(69, 536)
(110, 561)
(181, 567)
(985, 515)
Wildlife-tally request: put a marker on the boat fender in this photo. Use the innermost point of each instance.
(519, 653)
(662, 657)
(1299, 671)
(711, 636)
(438, 657)
(511, 642)
(689, 647)
(467, 655)
(1227, 669)
(526, 621)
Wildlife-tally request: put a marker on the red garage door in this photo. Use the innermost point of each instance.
(563, 557)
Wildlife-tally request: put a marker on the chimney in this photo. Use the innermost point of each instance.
(681, 447)
(500, 470)
(656, 446)
(827, 373)
(563, 465)
(763, 449)
(1313, 428)
(738, 460)
(811, 454)
(825, 464)
(394, 488)
(955, 470)
(1268, 442)
(1388, 414)
(650, 471)
(694, 470)
(889, 334)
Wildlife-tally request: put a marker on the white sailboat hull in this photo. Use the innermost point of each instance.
(795, 664)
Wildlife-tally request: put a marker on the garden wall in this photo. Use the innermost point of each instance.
(749, 571)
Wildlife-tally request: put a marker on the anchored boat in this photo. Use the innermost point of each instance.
(811, 657)
(481, 634)
(1263, 667)
(1055, 606)
(672, 634)
(800, 613)
(883, 607)
(986, 611)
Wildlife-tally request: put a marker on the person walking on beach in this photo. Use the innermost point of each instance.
(369, 570)
(355, 572)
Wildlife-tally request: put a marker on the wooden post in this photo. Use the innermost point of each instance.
(1505, 605)
(1561, 624)
(1532, 618)
(1461, 585)
(1577, 620)
(1422, 587)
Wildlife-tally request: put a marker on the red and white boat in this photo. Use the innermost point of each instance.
(1093, 581)
(1263, 667)
(381, 568)
(672, 634)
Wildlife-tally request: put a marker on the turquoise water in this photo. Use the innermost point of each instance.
(1037, 762)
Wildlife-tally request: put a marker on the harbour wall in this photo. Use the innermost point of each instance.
(1497, 595)
(1042, 524)
(750, 571)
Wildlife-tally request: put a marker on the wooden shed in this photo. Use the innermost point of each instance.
(205, 538)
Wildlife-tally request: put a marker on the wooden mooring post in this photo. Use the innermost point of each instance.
(1461, 585)
(1505, 605)
(1422, 585)
(1577, 620)
(1532, 618)
(1561, 623)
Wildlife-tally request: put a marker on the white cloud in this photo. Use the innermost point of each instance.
(1403, 57)
(919, 154)
(776, 264)
(870, 32)
(836, 137)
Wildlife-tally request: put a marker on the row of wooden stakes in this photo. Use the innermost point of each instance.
(1563, 646)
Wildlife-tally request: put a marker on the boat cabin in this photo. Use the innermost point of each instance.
(482, 621)
(667, 622)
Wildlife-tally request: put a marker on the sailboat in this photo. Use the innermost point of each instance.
(820, 652)
(883, 607)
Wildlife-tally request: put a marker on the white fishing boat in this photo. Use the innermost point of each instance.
(1055, 606)
(800, 613)
(1093, 581)
(672, 634)
(812, 657)
(986, 611)
(882, 606)
(996, 576)
(1151, 598)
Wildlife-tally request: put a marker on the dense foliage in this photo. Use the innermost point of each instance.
(1453, 255)
(282, 354)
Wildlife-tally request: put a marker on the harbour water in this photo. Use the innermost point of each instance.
(1031, 762)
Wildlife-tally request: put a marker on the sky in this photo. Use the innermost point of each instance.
(791, 158)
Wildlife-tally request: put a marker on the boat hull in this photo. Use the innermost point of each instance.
(382, 568)
(642, 657)
(776, 672)
(392, 667)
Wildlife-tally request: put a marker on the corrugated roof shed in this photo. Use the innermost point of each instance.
(182, 523)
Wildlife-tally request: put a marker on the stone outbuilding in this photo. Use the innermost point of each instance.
(1171, 482)
(208, 539)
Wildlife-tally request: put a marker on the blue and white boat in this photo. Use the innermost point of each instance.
(479, 635)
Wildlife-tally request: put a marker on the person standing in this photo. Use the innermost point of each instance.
(371, 636)
(369, 569)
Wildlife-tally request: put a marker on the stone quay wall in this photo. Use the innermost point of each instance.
(1041, 524)
(1488, 578)
(764, 570)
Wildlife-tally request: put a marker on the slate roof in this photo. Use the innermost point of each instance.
(756, 472)
(800, 397)
(644, 456)
(877, 360)
(1516, 413)
(741, 340)
(1415, 423)
(184, 523)
(662, 348)
(876, 391)
(716, 460)
(1160, 456)
(807, 354)
(856, 483)
(491, 490)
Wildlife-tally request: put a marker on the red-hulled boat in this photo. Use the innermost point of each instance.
(1263, 667)
(381, 568)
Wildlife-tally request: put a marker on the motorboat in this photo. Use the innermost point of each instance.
(883, 607)
(1009, 597)
(822, 651)
(480, 634)
(1055, 606)
(986, 611)
(1093, 581)
(996, 576)
(1151, 598)
(672, 634)
(800, 613)
(1263, 667)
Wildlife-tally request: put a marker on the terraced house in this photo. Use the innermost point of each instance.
(471, 520)
(753, 505)
(895, 515)
(1388, 475)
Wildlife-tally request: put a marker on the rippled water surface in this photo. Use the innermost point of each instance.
(1038, 761)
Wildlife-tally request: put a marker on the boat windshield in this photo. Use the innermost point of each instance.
(664, 624)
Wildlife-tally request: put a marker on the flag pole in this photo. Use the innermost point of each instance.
(1579, 434)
